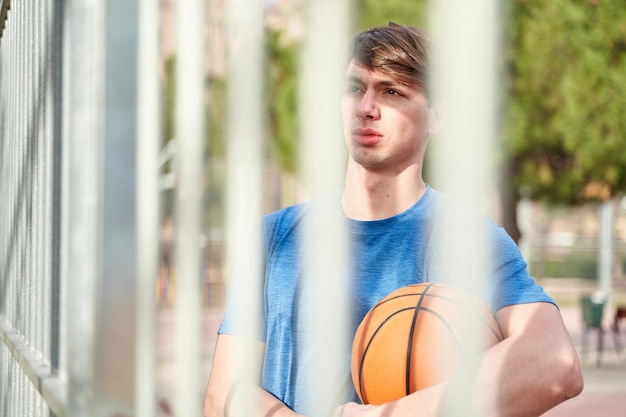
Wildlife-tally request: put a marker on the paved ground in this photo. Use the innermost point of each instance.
(605, 384)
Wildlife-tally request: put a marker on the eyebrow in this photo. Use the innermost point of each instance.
(382, 83)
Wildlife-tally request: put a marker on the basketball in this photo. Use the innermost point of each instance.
(418, 336)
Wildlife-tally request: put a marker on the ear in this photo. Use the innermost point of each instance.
(437, 117)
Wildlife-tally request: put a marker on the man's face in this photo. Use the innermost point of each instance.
(386, 124)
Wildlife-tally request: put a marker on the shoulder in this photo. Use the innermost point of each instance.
(290, 216)
(451, 215)
(286, 215)
(287, 221)
(281, 222)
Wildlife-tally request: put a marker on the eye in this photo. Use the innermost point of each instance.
(393, 92)
(353, 89)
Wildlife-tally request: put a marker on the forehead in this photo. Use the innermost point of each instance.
(359, 74)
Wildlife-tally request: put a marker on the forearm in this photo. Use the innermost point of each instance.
(522, 378)
(492, 387)
(422, 403)
(228, 396)
(247, 400)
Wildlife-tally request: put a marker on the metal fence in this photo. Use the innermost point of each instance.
(68, 251)
(31, 91)
(80, 131)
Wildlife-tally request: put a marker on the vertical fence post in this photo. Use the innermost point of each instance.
(324, 63)
(244, 184)
(605, 248)
(102, 249)
(86, 73)
(465, 75)
(190, 137)
(148, 143)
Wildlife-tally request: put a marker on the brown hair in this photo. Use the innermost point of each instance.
(399, 51)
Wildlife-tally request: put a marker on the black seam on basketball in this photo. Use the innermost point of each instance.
(425, 288)
(452, 300)
(473, 312)
(369, 342)
(407, 374)
(447, 324)
(417, 286)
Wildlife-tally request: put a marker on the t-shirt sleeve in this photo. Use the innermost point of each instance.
(503, 277)
(234, 305)
(511, 281)
(274, 227)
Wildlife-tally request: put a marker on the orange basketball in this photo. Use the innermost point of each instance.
(418, 336)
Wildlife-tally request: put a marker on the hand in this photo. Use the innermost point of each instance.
(355, 410)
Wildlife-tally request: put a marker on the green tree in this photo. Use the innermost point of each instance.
(215, 111)
(282, 100)
(377, 13)
(566, 130)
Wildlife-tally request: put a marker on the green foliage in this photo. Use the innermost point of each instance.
(371, 13)
(215, 111)
(216, 117)
(215, 145)
(566, 133)
(168, 126)
(283, 99)
(575, 265)
(169, 96)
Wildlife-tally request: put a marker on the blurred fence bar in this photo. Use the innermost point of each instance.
(463, 166)
(244, 184)
(323, 158)
(102, 264)
(148, 208)
(189, 198)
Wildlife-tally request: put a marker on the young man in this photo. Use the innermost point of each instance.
(388, 120)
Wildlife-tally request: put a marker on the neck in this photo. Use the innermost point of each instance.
(378, 195)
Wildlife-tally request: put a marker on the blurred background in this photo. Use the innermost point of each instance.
(561, 156)
(562, 135)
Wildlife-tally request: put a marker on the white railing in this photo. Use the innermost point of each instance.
(30, 148)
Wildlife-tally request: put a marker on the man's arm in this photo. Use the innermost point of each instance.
(228, 396)
(532, 370)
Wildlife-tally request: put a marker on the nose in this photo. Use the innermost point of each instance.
(367, 107)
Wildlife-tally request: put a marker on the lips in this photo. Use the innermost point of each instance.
(366, 136)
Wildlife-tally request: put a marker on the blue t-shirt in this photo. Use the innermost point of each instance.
(385, 255)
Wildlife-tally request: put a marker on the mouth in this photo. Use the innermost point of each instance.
(366, 136)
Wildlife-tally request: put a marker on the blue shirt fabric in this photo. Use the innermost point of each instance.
(385, 255)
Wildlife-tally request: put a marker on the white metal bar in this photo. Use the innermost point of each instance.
(605, 248)
(323, 159)
(64, 171)
(148, 140)
(466, 73)
(244, 180)
(465, 82)
(102, 247)
(86, 78)
(33, 367)
(190, 136)
(117, 247)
